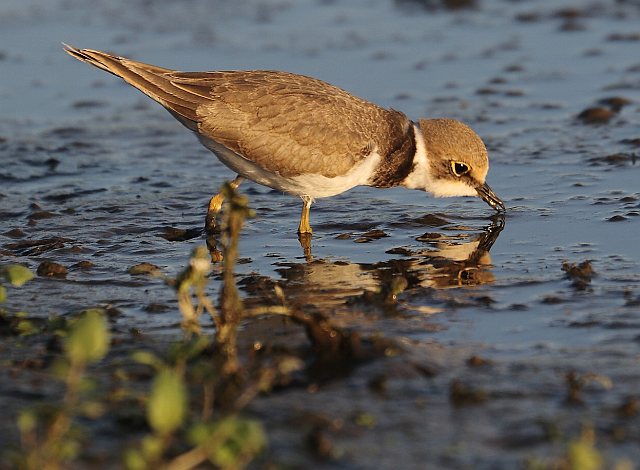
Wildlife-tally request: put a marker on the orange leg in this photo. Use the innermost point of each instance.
(304, 226)
(215, 204)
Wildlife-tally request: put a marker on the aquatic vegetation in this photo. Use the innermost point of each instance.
(49, 434)
(16, 275)
(230, 302)
(224, 439)
(197, 385)
(190, 283)
(580, 453)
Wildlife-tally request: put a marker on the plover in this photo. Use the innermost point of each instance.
(305, 137)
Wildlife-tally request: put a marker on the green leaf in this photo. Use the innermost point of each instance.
(584, 456)
(88, 340)
(133, 460)
(152, 447)
(16, 274)
(3, 294)
(234, 442)
(166, 408)
(27, 327)
(147, 358)
(27, 421)
(199, 433)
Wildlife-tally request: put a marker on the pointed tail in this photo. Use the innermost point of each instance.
(153, 81)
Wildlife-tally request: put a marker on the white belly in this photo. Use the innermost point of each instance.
(313, 185)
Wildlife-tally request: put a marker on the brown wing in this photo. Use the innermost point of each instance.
(290, 124)
(286, 123)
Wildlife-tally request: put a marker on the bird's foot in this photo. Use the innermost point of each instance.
(305, 243)
(215, 205)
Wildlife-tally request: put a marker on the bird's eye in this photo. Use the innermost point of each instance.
(460, 168)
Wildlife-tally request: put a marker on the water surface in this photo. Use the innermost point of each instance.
(92, 170)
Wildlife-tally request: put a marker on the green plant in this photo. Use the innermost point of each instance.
(14, 274)
(48, 435)
(237, 211)
(190, 284)
(227, 441)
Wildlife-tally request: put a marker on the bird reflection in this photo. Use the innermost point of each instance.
(446, 261)
(451, 263)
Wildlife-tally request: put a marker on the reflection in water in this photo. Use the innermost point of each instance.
(452, 263)
(216, 254)
(448, 260)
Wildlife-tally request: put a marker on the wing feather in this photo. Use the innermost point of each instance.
(286, 123)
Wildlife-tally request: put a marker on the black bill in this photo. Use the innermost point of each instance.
(488, 196)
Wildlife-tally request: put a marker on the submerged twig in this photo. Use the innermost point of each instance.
(237, 210)
(192, 282)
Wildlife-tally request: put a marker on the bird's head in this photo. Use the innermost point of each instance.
(456, 161)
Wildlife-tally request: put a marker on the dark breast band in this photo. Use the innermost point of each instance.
(398, 163)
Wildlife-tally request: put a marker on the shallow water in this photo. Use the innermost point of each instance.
(99, 173)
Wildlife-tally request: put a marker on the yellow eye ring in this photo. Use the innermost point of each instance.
(460, 168)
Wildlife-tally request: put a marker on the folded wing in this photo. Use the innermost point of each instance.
(288, 124)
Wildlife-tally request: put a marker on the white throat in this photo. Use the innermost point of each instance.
(422, 176)
(419, 177)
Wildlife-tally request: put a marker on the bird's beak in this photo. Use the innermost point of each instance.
(488, 196)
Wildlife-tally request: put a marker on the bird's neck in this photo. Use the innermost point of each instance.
(398, 161)
(420, 175)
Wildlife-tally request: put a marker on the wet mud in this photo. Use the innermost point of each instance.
(468, 340)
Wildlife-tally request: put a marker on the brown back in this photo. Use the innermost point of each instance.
(286, 123)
